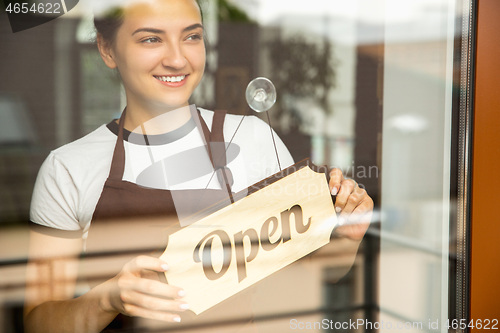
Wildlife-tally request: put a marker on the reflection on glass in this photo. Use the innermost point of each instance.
(261, 94)
(418, 83)
(343, 70)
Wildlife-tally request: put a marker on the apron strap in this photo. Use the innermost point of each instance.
(118, 161)
(216, 147)
(215, 139)
(224, 175)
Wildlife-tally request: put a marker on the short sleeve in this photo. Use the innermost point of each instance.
(55, 197)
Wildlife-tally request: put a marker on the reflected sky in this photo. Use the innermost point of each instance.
(364, 10)
(406, 15)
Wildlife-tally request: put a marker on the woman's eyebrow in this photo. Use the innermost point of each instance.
(159, 31)
(151, 30)
(192, 27)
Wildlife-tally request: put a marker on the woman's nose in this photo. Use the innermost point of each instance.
(174, 57)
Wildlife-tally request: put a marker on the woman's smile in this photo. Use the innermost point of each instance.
(172, 80)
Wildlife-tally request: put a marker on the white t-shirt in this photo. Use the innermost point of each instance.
(72, 177)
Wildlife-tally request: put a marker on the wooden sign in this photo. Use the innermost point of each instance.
(240, 244)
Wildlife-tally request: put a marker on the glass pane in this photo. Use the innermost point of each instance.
(376, 88)
(418, 83)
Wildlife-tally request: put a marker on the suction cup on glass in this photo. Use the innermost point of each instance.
(261, 94)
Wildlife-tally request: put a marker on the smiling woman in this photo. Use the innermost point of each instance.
(159, 52)
(90, 194)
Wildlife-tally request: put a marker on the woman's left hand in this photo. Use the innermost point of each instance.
(353, 205)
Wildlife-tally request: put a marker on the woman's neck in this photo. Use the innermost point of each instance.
(151, 123)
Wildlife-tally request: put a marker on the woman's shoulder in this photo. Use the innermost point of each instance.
(93, 145)
(70, 180)
(85, 158)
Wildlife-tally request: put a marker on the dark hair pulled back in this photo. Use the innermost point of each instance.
(107, 25)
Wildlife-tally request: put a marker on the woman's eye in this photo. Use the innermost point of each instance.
(150, 40)
(194, 37)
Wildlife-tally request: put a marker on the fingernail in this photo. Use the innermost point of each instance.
(177, 319)
(335, 191)
(184, 306)
(338, 209)
(181, 293)
(164, 267)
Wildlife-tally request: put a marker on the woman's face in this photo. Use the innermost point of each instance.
(160, 53)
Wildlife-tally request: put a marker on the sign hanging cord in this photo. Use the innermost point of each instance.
(274, 142)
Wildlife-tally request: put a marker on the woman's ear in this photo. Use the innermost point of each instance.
(106, 52)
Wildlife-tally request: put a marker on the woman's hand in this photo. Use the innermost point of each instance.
(137, 291)
(353, 205)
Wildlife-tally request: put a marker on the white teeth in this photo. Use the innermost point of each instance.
(171, 78)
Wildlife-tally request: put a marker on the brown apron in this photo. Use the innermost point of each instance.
(130, 219)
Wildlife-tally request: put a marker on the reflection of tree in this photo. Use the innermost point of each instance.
(227, 12)
(301, 69)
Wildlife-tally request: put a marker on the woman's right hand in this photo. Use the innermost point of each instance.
(137, 291)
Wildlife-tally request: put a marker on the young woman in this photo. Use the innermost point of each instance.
(158, 49)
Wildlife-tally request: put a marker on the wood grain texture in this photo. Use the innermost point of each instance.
(243, 243)
(485, 226)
